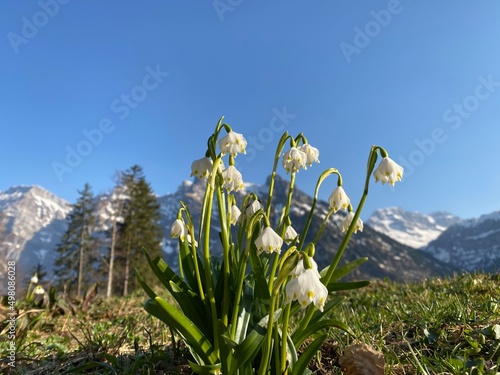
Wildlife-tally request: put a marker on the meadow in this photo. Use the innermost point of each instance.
(437, 326)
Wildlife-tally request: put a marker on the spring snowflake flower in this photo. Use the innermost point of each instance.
(339, 200)
(294, 159)
(269, 241)
(202, 168)
(307, 288)
(299, 268)
(388, 171)
(348, 220)
(290, 233)
(34, 279)
(178, 229)
(232, 179)
(252, 208)
(235, 214)
(39, 290)
(311, 152)
(233, 143)
(189, 240)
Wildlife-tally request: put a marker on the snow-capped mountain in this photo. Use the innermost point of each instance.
(410, 228)
(34, 221)
(472, 245)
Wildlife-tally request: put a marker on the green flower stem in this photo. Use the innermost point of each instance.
(284, 336)
(277, 352)
(225, 249)
(372, 158)
(192, 247)
(264, 364)
(197, 269)
(306, 319)
(282, 232)
(241, 271)
(207, 215)
(273, 273)
(277, 155)
(323, 226)
(321, 178)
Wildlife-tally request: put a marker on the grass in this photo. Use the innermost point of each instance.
(439, 326)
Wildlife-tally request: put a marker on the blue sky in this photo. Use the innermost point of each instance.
(147, 82)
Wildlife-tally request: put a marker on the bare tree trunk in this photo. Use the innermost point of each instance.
(111, 260)
(80, 264)
(127, 267)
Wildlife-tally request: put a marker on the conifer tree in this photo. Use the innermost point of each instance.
(77, 250)
(140, 228)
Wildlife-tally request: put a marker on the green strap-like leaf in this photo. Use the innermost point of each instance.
(244, 314)
(344, 270)
(190, 303)
(301, 365)
(249, 348)
(205, 369)
(151, 294)
(194, 311)
(185, 327)
(333, 287)
(259, 276)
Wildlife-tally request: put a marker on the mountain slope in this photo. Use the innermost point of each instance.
(34, 220)
(472, 245)
(412, 229)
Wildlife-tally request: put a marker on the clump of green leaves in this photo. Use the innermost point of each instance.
(234, 312)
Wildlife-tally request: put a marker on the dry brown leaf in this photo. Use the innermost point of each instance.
(362, 359)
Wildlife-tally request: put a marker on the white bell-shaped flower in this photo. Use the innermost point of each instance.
(232, 179)
(388, 171)
(290, 234)
(269, 241)
(299, 268)
(233, 143)
(338, 199)
(311, 152)
(34, 279)
(189, 240)
(39, 290)
(306, 288)
(202, 168)
(348, 220)
(178, 229)
(294, 159)
(252, 208)
(235, 214)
